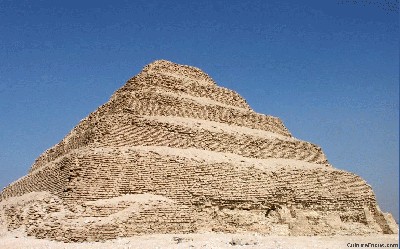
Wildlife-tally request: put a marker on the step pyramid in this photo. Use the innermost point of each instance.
(172, 152)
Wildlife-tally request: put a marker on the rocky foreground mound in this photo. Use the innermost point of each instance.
(172, 152)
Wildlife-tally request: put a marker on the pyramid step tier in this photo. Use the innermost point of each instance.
(179, 71)
(132, 130)
(168, 83)
(98, 173)
(165, 104)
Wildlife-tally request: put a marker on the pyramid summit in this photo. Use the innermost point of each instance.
(172, 152)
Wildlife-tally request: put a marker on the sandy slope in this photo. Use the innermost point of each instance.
(206, 240)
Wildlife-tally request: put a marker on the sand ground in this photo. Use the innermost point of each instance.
(15, 239)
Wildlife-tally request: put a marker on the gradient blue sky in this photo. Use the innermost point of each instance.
(328, 69)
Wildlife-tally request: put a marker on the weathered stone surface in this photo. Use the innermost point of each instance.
(172, 152)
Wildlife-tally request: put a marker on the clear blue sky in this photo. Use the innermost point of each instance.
(328, 69)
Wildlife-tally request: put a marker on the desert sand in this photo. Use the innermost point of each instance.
(16, 239)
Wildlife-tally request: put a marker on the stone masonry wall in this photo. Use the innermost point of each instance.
(129, 129)
(114, 173)
(53, 177)
(146, 81)
(158, 104)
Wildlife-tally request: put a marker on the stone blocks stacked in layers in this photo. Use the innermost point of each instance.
(172, 152)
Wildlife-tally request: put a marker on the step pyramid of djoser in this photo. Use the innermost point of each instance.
(171, 132)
